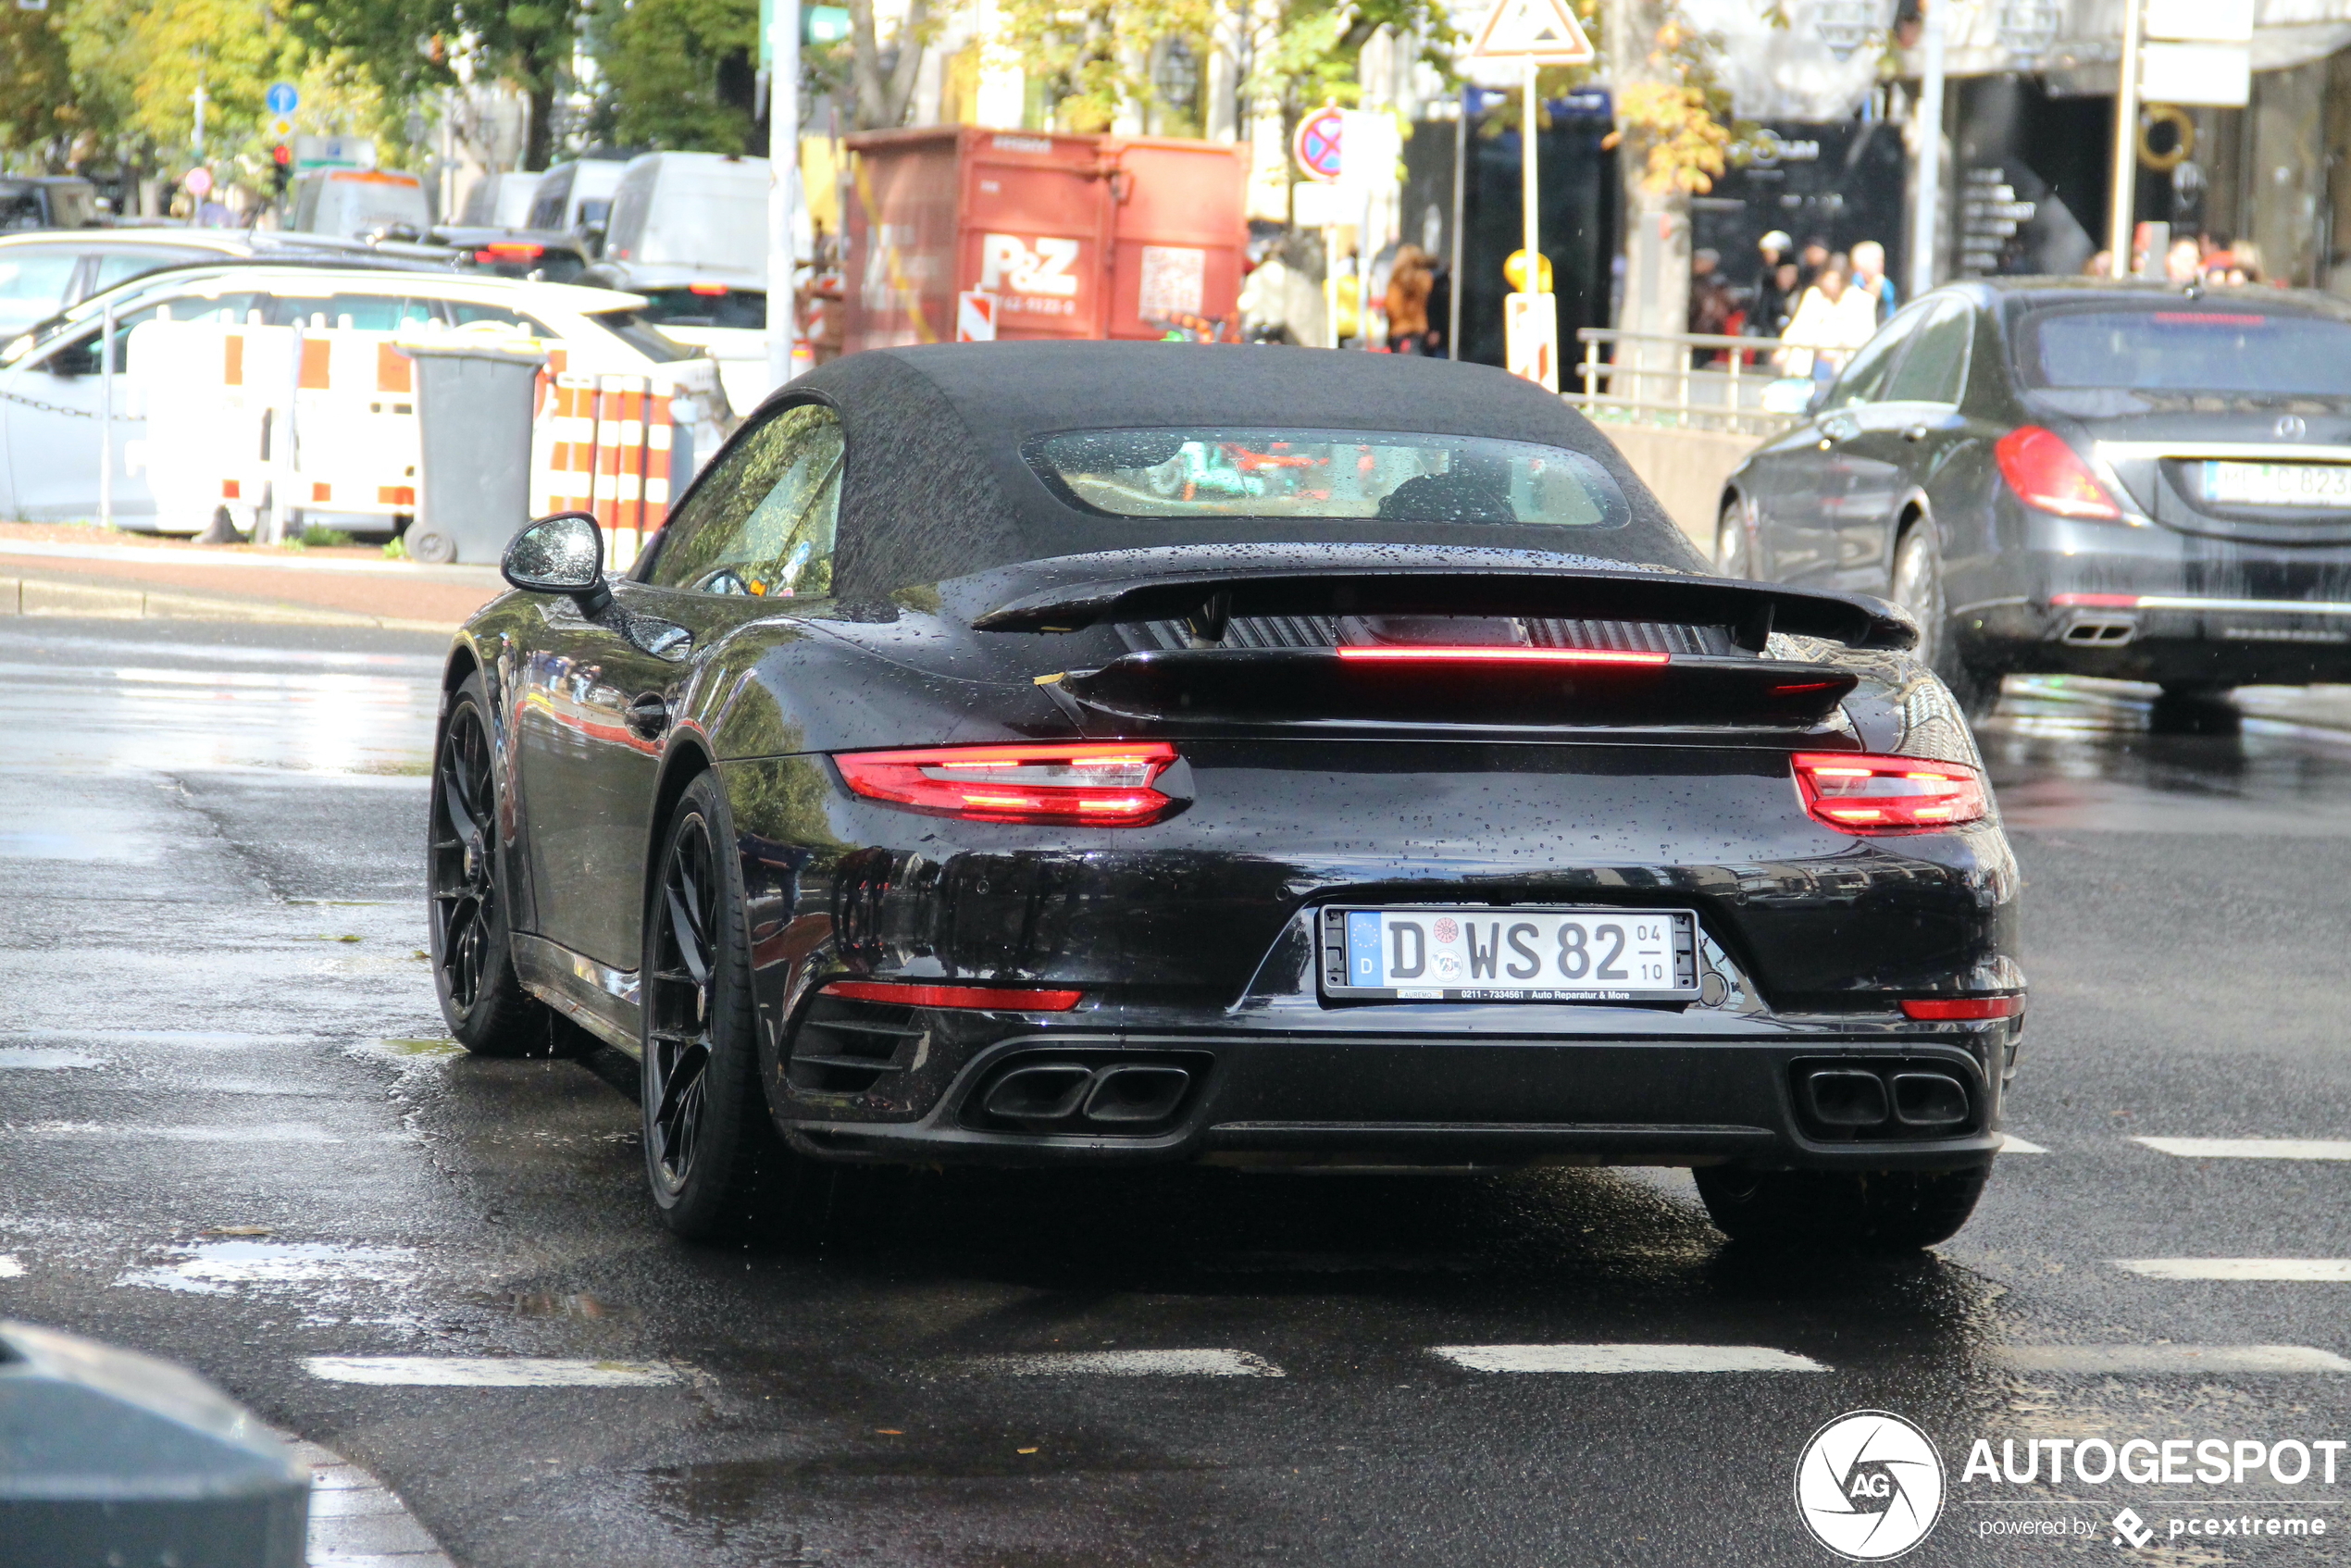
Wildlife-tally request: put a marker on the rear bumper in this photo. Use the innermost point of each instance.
(2145, 602)
(1370, 1100)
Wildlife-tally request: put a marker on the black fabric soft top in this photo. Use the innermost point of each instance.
(937, 487)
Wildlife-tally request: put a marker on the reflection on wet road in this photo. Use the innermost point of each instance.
(232, 1131)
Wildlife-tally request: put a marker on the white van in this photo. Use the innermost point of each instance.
(700, 210)
(501, 200)
(354, 202)
(574, 196)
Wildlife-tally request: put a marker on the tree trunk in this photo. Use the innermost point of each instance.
(539, 133)
(880, 105)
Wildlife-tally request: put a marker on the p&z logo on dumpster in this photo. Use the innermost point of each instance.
(1032, 277)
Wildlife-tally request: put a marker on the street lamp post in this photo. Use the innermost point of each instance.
(2126, 142)
(783, 189)
(1925, 217)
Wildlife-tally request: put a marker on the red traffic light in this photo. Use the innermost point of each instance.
(281, 154)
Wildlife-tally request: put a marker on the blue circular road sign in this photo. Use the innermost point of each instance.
(281, 98)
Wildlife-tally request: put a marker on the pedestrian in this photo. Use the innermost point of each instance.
(1440, 309)
(1410, 280)
(1767, 314)
(2184, 263)
(1868, 277)
(1831, 321)
(1710, 303)
(1814, 260)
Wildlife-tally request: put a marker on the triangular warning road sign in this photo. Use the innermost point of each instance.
(1542, 30)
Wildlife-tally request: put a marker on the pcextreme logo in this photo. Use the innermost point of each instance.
(1868, 1485)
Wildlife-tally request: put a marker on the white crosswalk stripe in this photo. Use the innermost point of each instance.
(1128, 1363)
(2327, 1269)
(2011, 1144)
(2251, 1148)
(2188, 1360)
(1625, 1358)
(488, 1371)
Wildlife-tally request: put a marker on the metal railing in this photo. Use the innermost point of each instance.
(1686, 380)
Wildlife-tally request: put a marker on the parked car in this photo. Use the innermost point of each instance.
(726, 316)
(688, 231)
(501, 200)
(43, 273)
(48, 201)
(1102, 754)
(574, 197)
(538, 254)
(50, 388)
(2080, 476)
(360, 203)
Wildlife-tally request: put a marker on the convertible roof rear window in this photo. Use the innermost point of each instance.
(2180, 347)
(1332, 474)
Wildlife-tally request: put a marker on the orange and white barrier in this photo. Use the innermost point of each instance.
(600, 445)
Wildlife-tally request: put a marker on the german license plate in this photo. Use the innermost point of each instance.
(2278, 484)
(1510, 954)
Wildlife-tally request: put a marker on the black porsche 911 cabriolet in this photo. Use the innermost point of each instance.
(1034, 753)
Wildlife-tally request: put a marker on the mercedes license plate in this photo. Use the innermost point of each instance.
(2278, 484)
(1510, 954)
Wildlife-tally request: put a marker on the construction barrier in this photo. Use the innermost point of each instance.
(602, 445)
(278, 424)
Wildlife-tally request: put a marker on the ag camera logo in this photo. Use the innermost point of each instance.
(1868, 1485)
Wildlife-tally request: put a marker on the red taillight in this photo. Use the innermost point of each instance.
(1951, 1009)
(1405, 655)
(2097, 600)
(1007, 998)
(1866, 794)
(1106, 784)
(2048, 474)
(511, 250)
(717, 288)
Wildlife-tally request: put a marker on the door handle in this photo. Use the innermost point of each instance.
(649, 715)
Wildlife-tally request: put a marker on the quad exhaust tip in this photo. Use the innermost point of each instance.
(1860, 1100)
(1074, 1097)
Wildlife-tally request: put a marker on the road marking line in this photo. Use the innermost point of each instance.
(2337, 1270)
(2011, 1144)
(1129, 1364)
(2190, 1359)
(488, 1371)
(1625, 1358)
(260, 1132)
(2251, 1148)
(356, 1521)
(28, 1059)
(9, 1267)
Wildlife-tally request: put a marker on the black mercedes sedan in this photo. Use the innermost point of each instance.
(1089, 753)
(2078, 476)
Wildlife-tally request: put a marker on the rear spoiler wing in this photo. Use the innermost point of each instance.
(1751, 611)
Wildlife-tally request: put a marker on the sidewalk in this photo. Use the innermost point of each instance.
(82, 571)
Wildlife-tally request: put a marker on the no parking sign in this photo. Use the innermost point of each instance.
(1316, 143)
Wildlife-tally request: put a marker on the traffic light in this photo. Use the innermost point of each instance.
(281, 167)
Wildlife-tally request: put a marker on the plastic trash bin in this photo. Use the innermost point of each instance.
(474, 404)
(111, 1457)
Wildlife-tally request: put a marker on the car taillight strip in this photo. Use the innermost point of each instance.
(2049, 476)
(1100, 783)
(1008, 998)
(1858, 793)
(1948, 1009)
(1498, 656)
(2192, 601)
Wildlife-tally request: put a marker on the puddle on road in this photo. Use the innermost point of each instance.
(260, 1132)
(575, 1304)
(199, 1040)
(442, 1047)
(82, 833)
(33, 1060)
(212, 1268)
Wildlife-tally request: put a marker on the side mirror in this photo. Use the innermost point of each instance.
(563, 553)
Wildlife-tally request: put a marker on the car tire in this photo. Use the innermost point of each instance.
(468, 905)
(1840, 1211)
(1733, 551)
(713, 1156)
(1917, 586)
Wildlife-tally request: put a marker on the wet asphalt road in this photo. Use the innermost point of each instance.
(232, 1133)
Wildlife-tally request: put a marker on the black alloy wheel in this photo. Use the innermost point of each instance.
(1918, 587)
(482, 998)
(712, 1157)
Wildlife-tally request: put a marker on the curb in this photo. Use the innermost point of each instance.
(356, 1521)
(81, 597)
